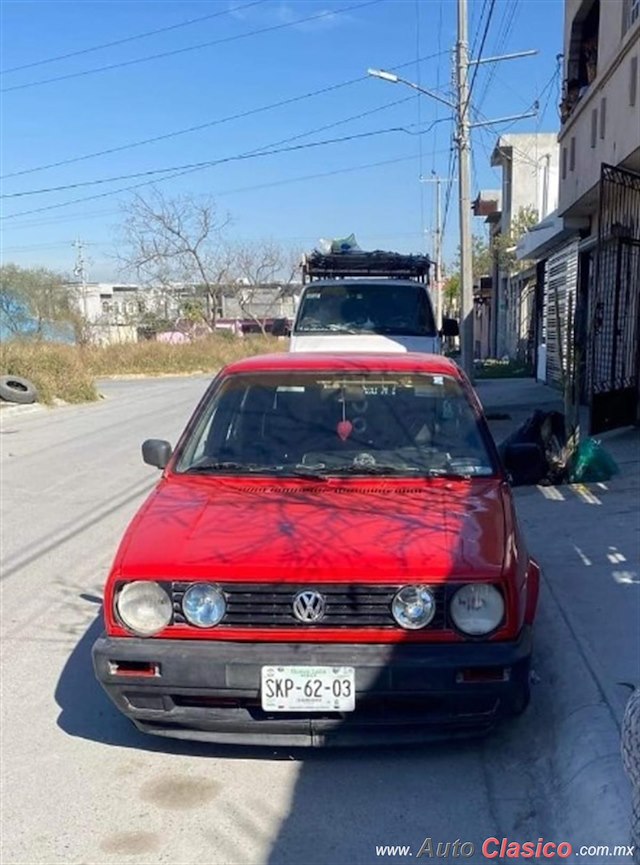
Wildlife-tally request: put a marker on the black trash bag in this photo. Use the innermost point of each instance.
(547, 431)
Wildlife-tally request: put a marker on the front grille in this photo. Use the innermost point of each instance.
(265, 605)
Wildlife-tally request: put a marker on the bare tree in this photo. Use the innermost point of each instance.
(177, 245)
(263, 273)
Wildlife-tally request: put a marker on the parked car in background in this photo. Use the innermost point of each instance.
(331, 556)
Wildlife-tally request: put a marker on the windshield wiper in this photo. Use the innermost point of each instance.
(328, 328)
(213, 466)
(372, 470)
(401, 331)
(229, 466)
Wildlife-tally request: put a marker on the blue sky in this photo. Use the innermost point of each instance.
(295, 197)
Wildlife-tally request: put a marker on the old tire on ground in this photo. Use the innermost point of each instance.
(13, 388)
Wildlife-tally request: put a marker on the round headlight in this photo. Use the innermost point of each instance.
(144, 607)
(477, 609)
(413, 607)
(204, 605)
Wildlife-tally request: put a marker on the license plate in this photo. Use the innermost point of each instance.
(308, 689)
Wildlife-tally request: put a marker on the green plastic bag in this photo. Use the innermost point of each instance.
(592, 463)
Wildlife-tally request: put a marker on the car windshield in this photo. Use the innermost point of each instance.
(332, 423)
(366, 308)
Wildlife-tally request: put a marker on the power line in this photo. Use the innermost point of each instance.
(450, 173)
(226, 39)
(218, 121)
(477, 29)
(479, 57)
(507, 22)
(133, 38)
(437, 104)
(252, 188)
(419, 116)
(194, 168)
(323, 174)
(206, 164)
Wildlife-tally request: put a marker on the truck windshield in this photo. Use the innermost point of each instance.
(362, 307)
(337, 423)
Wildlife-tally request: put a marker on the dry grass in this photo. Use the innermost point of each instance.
(56, 370)
(67, 372)
(156, 358)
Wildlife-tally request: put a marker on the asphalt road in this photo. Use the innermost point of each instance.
(81, 785)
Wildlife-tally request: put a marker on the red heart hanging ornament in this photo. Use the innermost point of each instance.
(344, 429)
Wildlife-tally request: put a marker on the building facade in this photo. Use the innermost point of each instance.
(599, 199)
(530, 165)
(125, 312)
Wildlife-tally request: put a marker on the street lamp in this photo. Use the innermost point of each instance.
(396, 79)
(386, 76)
(461, 113)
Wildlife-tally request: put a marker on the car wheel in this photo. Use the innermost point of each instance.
(13, 388)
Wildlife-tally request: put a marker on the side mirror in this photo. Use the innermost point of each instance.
(156, 452)
(525, 462)
(450, 327)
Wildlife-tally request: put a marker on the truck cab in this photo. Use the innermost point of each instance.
(372, 302)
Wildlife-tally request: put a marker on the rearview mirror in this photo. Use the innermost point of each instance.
(156, 452)
(450, 327)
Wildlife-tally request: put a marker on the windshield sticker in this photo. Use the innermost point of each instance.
(379, 389)
(285, 388)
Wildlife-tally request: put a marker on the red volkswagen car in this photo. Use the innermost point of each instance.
(331, 556)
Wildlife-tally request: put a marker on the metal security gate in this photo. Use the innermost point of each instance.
(614, 368)
(560, 282)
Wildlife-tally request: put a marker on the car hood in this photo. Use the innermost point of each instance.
(294, 531)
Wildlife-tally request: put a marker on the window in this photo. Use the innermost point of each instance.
(630, 14)
(633, 80)
(564, 162)
(337, 423)
(594, 127)
(603, 116)
(572, 154)
(364, 307)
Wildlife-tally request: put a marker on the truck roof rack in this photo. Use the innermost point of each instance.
(389, 265)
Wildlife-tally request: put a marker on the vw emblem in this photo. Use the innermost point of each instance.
(308, 607)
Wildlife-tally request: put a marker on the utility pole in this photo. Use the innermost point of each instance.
(460, 109)
(79, 270)
(466, 263)
(438, 258)
(438, 232)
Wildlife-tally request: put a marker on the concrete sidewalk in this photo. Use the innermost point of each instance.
(587, 539)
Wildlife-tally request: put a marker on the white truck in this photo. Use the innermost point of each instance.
(367, 301)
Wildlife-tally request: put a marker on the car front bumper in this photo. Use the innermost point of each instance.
(210, 691)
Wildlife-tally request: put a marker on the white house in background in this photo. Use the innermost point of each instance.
(530, 164)
(113, 310)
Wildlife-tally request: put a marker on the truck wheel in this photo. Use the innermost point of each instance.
(16, 389)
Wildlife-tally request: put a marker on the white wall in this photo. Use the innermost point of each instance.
(620, 138)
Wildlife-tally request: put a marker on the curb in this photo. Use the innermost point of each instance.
(11, 409)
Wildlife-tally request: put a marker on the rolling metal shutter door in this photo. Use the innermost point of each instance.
(561, 275)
